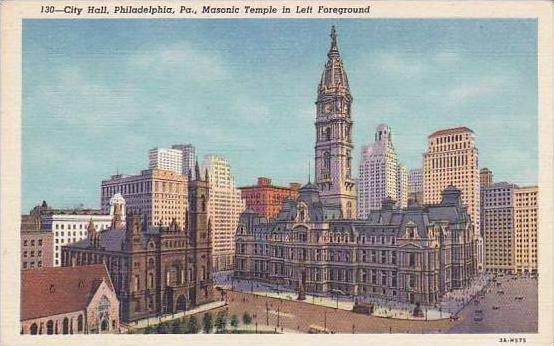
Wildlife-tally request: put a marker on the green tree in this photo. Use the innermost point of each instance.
(179, 327)
(207, 323)
(221, 322)
(150, 330)
(246, 318)
(163, 328)
(234, 321)
(192, 325)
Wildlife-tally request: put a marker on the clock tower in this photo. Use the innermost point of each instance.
(333, 146)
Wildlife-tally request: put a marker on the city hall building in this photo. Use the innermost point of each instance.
(316, 245)
(415, 254)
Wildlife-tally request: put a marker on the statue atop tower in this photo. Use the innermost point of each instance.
(333, 147)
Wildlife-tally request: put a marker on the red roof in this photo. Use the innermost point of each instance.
(57, 290)
(454, 130)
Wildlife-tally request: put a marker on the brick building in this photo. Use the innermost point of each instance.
(68, 301)
(265, 198)
(155, 269)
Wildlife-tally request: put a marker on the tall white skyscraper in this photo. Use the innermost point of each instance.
(402, 185)
(179, 159)
(224, 208)
(188, 158)
(381, 175)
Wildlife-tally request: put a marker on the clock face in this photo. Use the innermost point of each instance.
(327, 108)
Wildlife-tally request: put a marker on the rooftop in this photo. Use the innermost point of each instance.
(455, 130)
(57, 290)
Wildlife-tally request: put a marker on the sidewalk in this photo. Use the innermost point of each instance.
(450, 305)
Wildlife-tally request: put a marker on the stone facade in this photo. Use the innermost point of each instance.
(333, 147)
(415, 254)
(265, 198)
(155, 269)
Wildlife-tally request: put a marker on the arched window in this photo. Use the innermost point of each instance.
(80, 323)
(34, 329)
(150, 280)
(328, 133)
(65, 326)
(326, 161)
(203, 203)
(50, 327)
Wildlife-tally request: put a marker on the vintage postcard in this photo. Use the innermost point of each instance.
(368, 171)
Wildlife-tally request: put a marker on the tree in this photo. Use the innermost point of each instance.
(246, 318)
(234, 321)
(150, 330)
(192, 325)
(163, 328)
(221, 322)
(179, 327)
(207, 323)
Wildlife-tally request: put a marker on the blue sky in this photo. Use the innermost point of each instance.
(97, 94)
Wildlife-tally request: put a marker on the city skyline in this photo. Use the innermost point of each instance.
(388, 63)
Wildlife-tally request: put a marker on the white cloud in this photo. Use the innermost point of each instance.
(484, 87)
(180, 57)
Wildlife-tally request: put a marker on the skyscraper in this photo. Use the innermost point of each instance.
(402, 185)
(485, 176)
(452, 159)
(381, 175)
(415, 184)
(166, 159)
(224, 208)
(497, 215)
(526, 223)
(179, 159)
(333, 147)
(159, 195)
(188, 158)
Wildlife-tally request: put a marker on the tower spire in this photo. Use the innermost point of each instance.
(334, 47)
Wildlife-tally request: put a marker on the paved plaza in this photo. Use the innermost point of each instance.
(450, 305)
(513, 310)
(509, 305)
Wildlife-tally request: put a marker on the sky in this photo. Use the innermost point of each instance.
(97, 94)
